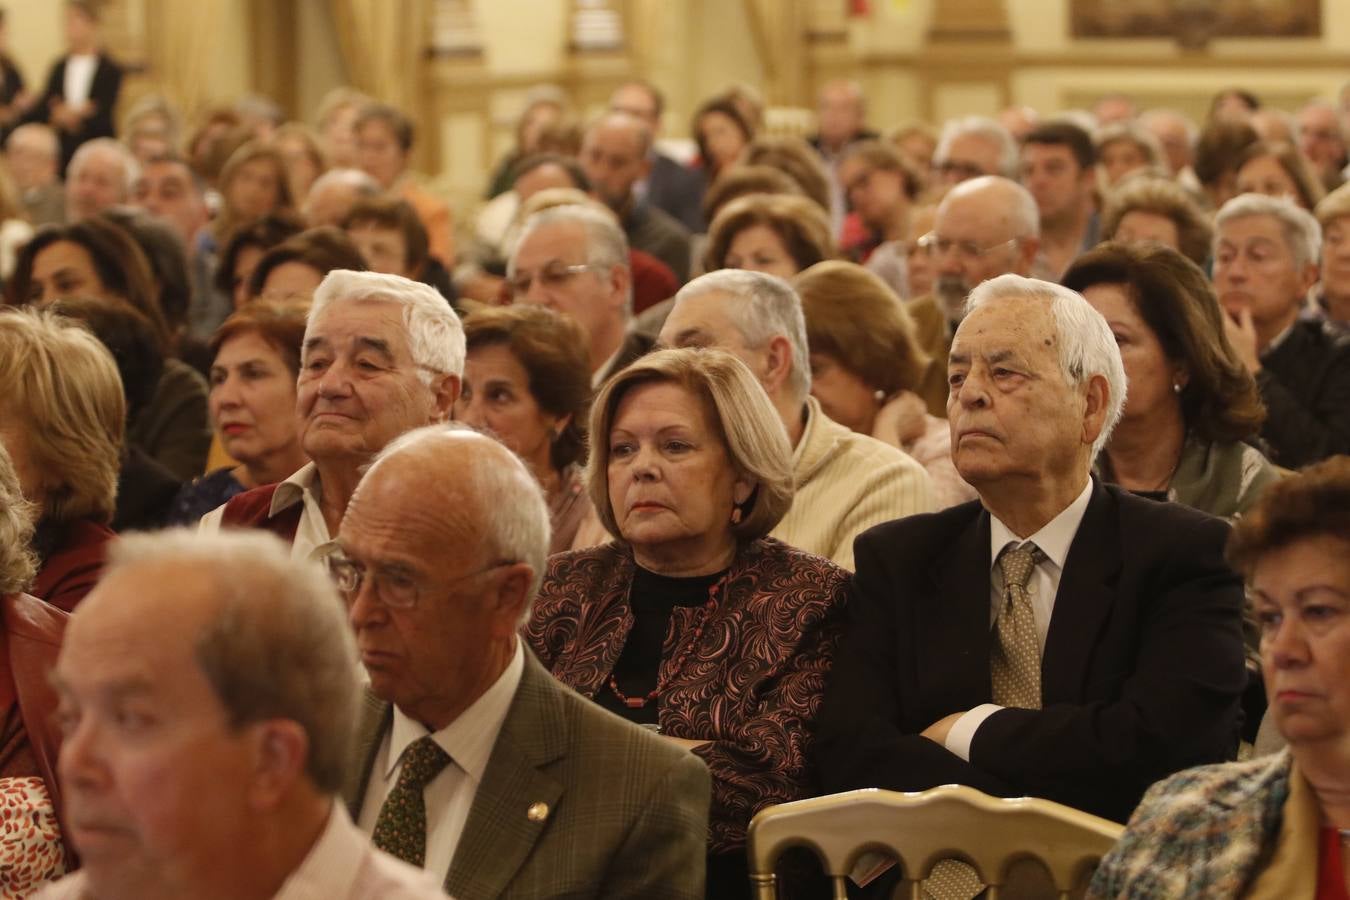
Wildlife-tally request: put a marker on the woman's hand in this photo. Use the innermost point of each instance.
(901, 420)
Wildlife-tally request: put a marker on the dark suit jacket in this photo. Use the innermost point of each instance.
(627, 811)
(678, 190)
(103, 93)
(1141, 674)
(1305, 383)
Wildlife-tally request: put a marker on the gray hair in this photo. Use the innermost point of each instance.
(1148, 117)
(986, 128)
(435, 333)
(1087, 348)
(514, 517)
(606, 245)
(37, 136)
(624, 120)
(279, 646)
(1302, 234)
(765, 307)
(1023, 212)
(1132, 132)
(131, 169)
(18, 562)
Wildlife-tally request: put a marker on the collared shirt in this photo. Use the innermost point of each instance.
(79, 78)
(449, 796)
(342, 865)
(1054, 540)
(312, 540)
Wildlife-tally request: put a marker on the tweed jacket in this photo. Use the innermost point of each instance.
(625, 813)
(1203, 833)
(752, 685)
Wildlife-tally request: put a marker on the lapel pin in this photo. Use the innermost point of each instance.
(537, 812)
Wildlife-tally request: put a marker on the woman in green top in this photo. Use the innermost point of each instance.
(1192, 410)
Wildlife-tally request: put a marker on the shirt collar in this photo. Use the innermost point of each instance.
(293, 489)
(1053, 539)
(332, 862)
(470, 738)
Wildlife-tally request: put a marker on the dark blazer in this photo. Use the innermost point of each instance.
(627, 811)
(103, 93)
(678, 190)
(1141, 674)
(1305, 383)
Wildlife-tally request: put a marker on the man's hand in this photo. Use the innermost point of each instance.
(1241, 332)
(938, 731)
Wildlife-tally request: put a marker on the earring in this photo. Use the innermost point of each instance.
(1177, 387)
(736, 515)
(879, 396)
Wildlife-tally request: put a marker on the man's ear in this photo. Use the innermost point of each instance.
(778, 363)
(511, 594)
(1026, 254)
(1095, 409)
(281, 750)
(445, 392)
(620, 281)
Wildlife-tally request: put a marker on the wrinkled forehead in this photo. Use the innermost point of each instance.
(561, 241)
(1014, 323)
(345, 323)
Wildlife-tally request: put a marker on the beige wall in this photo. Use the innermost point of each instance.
(36, 33)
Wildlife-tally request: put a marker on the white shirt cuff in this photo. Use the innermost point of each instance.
(963, 731)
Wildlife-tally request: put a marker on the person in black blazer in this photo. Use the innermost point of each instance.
(92, 118)
(1137, 616)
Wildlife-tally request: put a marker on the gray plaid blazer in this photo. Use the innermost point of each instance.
(628, 812)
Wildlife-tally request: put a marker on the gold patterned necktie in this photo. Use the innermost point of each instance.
(401, 827)
(1015, 665)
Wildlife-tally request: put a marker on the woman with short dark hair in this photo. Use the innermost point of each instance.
(527, 382)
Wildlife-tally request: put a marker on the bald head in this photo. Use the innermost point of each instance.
(985, 227)
(614, 157)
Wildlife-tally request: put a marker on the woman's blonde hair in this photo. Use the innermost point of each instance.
(745, 419)
(802, 226)
(18, 563)
(62, 383)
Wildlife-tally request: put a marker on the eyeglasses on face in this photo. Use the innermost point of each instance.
(936, 245)
(394, 586)
(551, 276)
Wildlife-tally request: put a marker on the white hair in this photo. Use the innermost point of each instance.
(35, 136)
(983, 127)
(435, 333)
(1151, 116)
(1302, 234)
(606, 245)
(1087, 348)
(131, 169)
(279, 645)
(765, 307)
(1022, 211)
(514, 522)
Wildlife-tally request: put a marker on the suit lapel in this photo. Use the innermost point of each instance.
(373, 723)
(505, 820)
(954, 624)
(1087, 592)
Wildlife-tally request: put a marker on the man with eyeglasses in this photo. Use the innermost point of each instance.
(472, 761)
(971, 147)
(985, 227)
(382, 355)
(574, 260)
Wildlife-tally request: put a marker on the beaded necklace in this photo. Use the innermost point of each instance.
(714, 592)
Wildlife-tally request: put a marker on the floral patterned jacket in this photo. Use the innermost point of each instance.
(752, 686)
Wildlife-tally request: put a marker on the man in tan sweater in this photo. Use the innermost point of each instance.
(846, 482)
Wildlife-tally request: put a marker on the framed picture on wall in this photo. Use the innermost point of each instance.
(1195, 20)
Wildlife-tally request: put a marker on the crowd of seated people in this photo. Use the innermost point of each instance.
(684, 478)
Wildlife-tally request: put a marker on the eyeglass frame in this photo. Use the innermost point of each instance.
(549, 278)
(930, 243)
(337, 562)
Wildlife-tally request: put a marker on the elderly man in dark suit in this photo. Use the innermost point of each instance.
(473, 761)
(1059, 638)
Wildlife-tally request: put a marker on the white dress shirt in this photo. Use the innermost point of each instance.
(312, 540)
(449, 796)
(1054, 540)
(342, 865)
(79, 78)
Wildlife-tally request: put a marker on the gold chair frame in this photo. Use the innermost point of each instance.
(920, 829)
